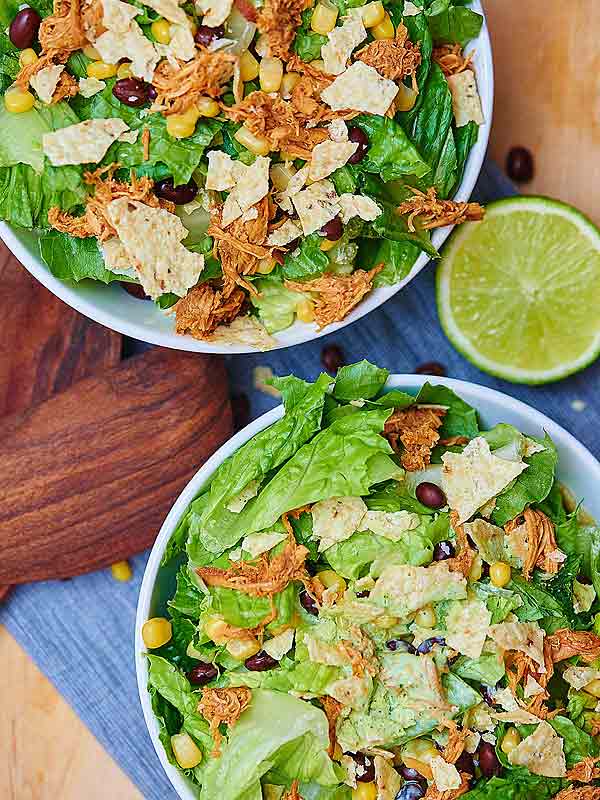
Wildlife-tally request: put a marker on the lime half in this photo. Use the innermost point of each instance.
(519, 293)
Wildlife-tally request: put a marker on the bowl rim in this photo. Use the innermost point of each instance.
(147, 331)
(473, 392)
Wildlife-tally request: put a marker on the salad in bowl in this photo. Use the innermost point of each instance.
(379, 595)
(246, 166)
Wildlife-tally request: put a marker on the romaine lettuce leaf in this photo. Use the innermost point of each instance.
(487, 669)
(26, 196)
(306, 262)
(582, 540)
(391, 153)
(245, 611)
(398, 259)
(188, 599)
(351, 557)
(453, 24)
(361, 381)
(275, 303)
(518, 784)
(460, 418)
(72, 259)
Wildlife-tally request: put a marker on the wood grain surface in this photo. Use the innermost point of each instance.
(546, 61)
(88, 476)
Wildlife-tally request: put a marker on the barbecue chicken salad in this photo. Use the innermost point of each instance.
(377, 598)
(244, 165)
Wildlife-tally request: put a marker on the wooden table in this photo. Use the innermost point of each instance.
(547, 64)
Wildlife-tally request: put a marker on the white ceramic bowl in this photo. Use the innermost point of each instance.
(577, 468)
(113, 307)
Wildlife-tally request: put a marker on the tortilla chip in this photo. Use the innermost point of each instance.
(541, 752)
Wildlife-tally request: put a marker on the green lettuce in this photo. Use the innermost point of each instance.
(465, 139)
(548, 598)
(391, 153)
(246, 611)
(307, 43)
(487, 669)
(584, 541)
(460, 418)
(418, 31)
(360, 381)
(451, 23)
(188, 599)
(351, 557)
(72, 259)
(518, 784)
(398, 259)
(276, 305)
(307, 262)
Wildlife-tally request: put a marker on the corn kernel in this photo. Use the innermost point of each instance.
(121, 571)
(124, 70)
(208, 107)
(256, 144)
(280, 175)
(248, 66)
(305, 311)
(406, 98)
(373, 14)
(500, 574)
(365, 791)
(27, 57)
(284, 155)
(270, 74)
(328, 577)
(420, 749)
(156, 632)
(90, 52)
(327, 244)
(161, 30)
(186, 751)
(289, 80)
(476, 570)
(337, 752)
(510, 740)
(324, 17)
(266, 266)
(181, 126)
(18, 101)
(593, 687)
(242, 648)
(215, 628)
(101, 70)
(426, 617)
(385, 29)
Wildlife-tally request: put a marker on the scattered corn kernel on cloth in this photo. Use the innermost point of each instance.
(80, 632)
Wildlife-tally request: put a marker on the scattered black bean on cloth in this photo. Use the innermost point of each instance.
(519, 165)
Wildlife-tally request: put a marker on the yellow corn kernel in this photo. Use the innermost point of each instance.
(406, 98)
(28, 57)
(365, 791)
(180, 126)
(593, 687)
(337, 752)
(385, 29)
(500, 574)
(215, 627)
(373, 14)
(156, 632)
(242, 648)
(161, 30)
(305, 311)
(319, 64)
(420, 749)
(270, 74)
(266, 266)
(208, 107)
(510, 740)
(289, 80)
(186, 751)
(101, 70)
(476, 569)
(92, 53)
(421, 767)
(124, 70)
(327, 244)
(248, 66)
(426, 617)
(280, 175)
(328, 577)
(256, 144)
(121, 571)
(324, 17)
(284, 155)
(18, 101)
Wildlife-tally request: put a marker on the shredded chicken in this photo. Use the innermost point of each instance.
(361, 653)
(579, 793)
(295, 513)
(413, 432)
(332, 709)
(456, 742)
(337, 294)
(276, 120)
(292, 793)
(538, 540)
(219, 706)
(94, 221)
(241, 246)
(179, 87)
(585, 771)
(204, 308)
(566, 643)
(67, 86)
(278, 20)
(451, 59)
(435, 794)
(395, 59)
(435, 213)
(465, 556)
(263, 577)
(146, 143)
(454, 441)
(92, 17)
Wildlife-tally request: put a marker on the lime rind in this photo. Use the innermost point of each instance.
(542, 207)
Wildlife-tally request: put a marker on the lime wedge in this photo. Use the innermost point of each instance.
(519, 293)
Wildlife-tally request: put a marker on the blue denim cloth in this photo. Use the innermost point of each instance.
(80, 632)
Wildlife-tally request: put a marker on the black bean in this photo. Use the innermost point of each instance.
(443, 550)
(135, 290)
(519, 165)
(465, 763)
(333, 229)
(180, 195)
(152, 93)
(365, 772)
(24, 28)
(332, 358)
(363, 594)
(309, 603)
(411, 791)
(410, 774)
(488, 760)
(202, 674)
(431, 368)
(359, 137)
(400, 646)
(487, 692)
(132, 92)
(206, 35)
(428, 644)
(260, 662)
(430, 495)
